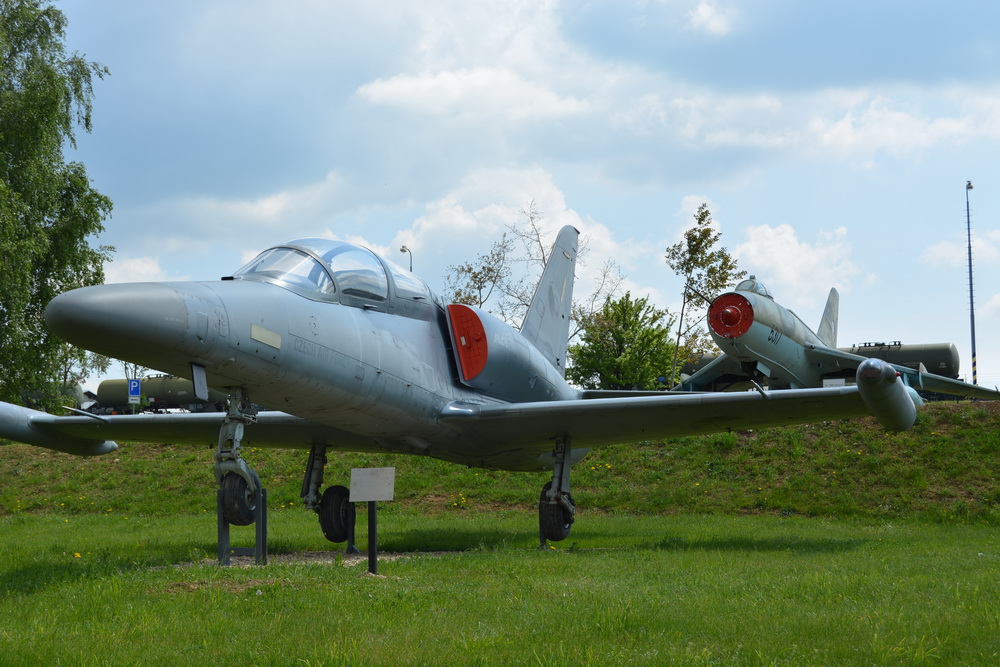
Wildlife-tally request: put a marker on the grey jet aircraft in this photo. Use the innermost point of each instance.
(350, 352)
(762, 342)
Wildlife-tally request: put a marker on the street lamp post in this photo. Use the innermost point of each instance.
(410, 253)
(972, 304)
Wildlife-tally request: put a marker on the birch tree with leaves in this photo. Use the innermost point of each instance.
(49, 213)
(707, 270)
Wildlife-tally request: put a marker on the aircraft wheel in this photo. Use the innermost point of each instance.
(239, 501)
(554, 520)
(336, 513)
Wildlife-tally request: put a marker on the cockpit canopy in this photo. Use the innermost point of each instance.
(330, 270)
(751, 284)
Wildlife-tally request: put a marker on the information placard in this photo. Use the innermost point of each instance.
(372, 484)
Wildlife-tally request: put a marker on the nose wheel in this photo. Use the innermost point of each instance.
(241, 498)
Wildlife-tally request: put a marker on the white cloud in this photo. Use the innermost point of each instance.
(944, 253)
(477, 92)
(304, 203)
(992, 306)
(886, 124)
(985, 249)
(465, 221)
(135, 270)
(707, 17)
(798, 273)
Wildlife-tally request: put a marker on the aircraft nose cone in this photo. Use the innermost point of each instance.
(730, 316)
(124, 321)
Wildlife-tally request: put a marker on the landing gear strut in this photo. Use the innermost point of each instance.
(239, 482)
(556, 509)
(334, 507)
(241, 498)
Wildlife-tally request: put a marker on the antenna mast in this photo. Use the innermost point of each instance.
(972, 304)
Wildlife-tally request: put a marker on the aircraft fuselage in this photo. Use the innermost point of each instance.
(379, 370)
(752, 328)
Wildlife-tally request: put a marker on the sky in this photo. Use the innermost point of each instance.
(831, 141)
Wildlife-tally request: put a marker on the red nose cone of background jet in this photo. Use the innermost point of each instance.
(730, 315)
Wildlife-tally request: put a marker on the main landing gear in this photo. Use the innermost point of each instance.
(556, 509)
(335, 509)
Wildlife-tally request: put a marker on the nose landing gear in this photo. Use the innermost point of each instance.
(242, 499)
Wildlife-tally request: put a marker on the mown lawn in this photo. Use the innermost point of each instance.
(830, 543)
(473, 588)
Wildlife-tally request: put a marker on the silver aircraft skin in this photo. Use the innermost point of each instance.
(763, 342)
(348, 351)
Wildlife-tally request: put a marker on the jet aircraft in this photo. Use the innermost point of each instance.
(350, 352)
(763, 342)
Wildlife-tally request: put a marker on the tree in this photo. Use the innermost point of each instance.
(474, 283)
(48, 210)
(706, 271)
(492, 280)
(504, 278)
(626, 345)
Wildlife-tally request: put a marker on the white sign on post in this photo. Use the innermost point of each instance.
(372, 484)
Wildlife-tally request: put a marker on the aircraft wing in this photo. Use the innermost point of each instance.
(914, 378)
(91, 435)
(606, 421)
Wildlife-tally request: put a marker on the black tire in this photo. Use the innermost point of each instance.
(554, 520)
(239, 501)
(336, 514)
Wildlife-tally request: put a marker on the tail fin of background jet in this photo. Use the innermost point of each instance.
(546, 325)
(827, 331)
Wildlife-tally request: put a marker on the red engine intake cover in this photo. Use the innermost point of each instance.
(470, 339)
(731, 315)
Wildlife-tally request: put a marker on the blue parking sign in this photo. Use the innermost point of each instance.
(133, 391)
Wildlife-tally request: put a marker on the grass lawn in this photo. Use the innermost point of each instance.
(831, 543)
(473, 588)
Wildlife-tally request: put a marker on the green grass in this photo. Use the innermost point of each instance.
(822, 544)
(91, 589)
(944, 469)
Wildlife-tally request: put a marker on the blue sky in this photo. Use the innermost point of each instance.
(831, 141)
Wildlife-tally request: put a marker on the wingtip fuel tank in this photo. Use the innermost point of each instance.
(886, 395)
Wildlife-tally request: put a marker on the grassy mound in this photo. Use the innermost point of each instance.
(944, 469)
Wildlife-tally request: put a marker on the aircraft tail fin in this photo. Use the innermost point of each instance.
(546, 325)
(827, 331)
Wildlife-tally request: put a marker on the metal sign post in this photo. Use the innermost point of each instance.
(371, 485)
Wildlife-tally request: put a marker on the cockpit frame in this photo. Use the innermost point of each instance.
(334, 271)
(751, 284)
